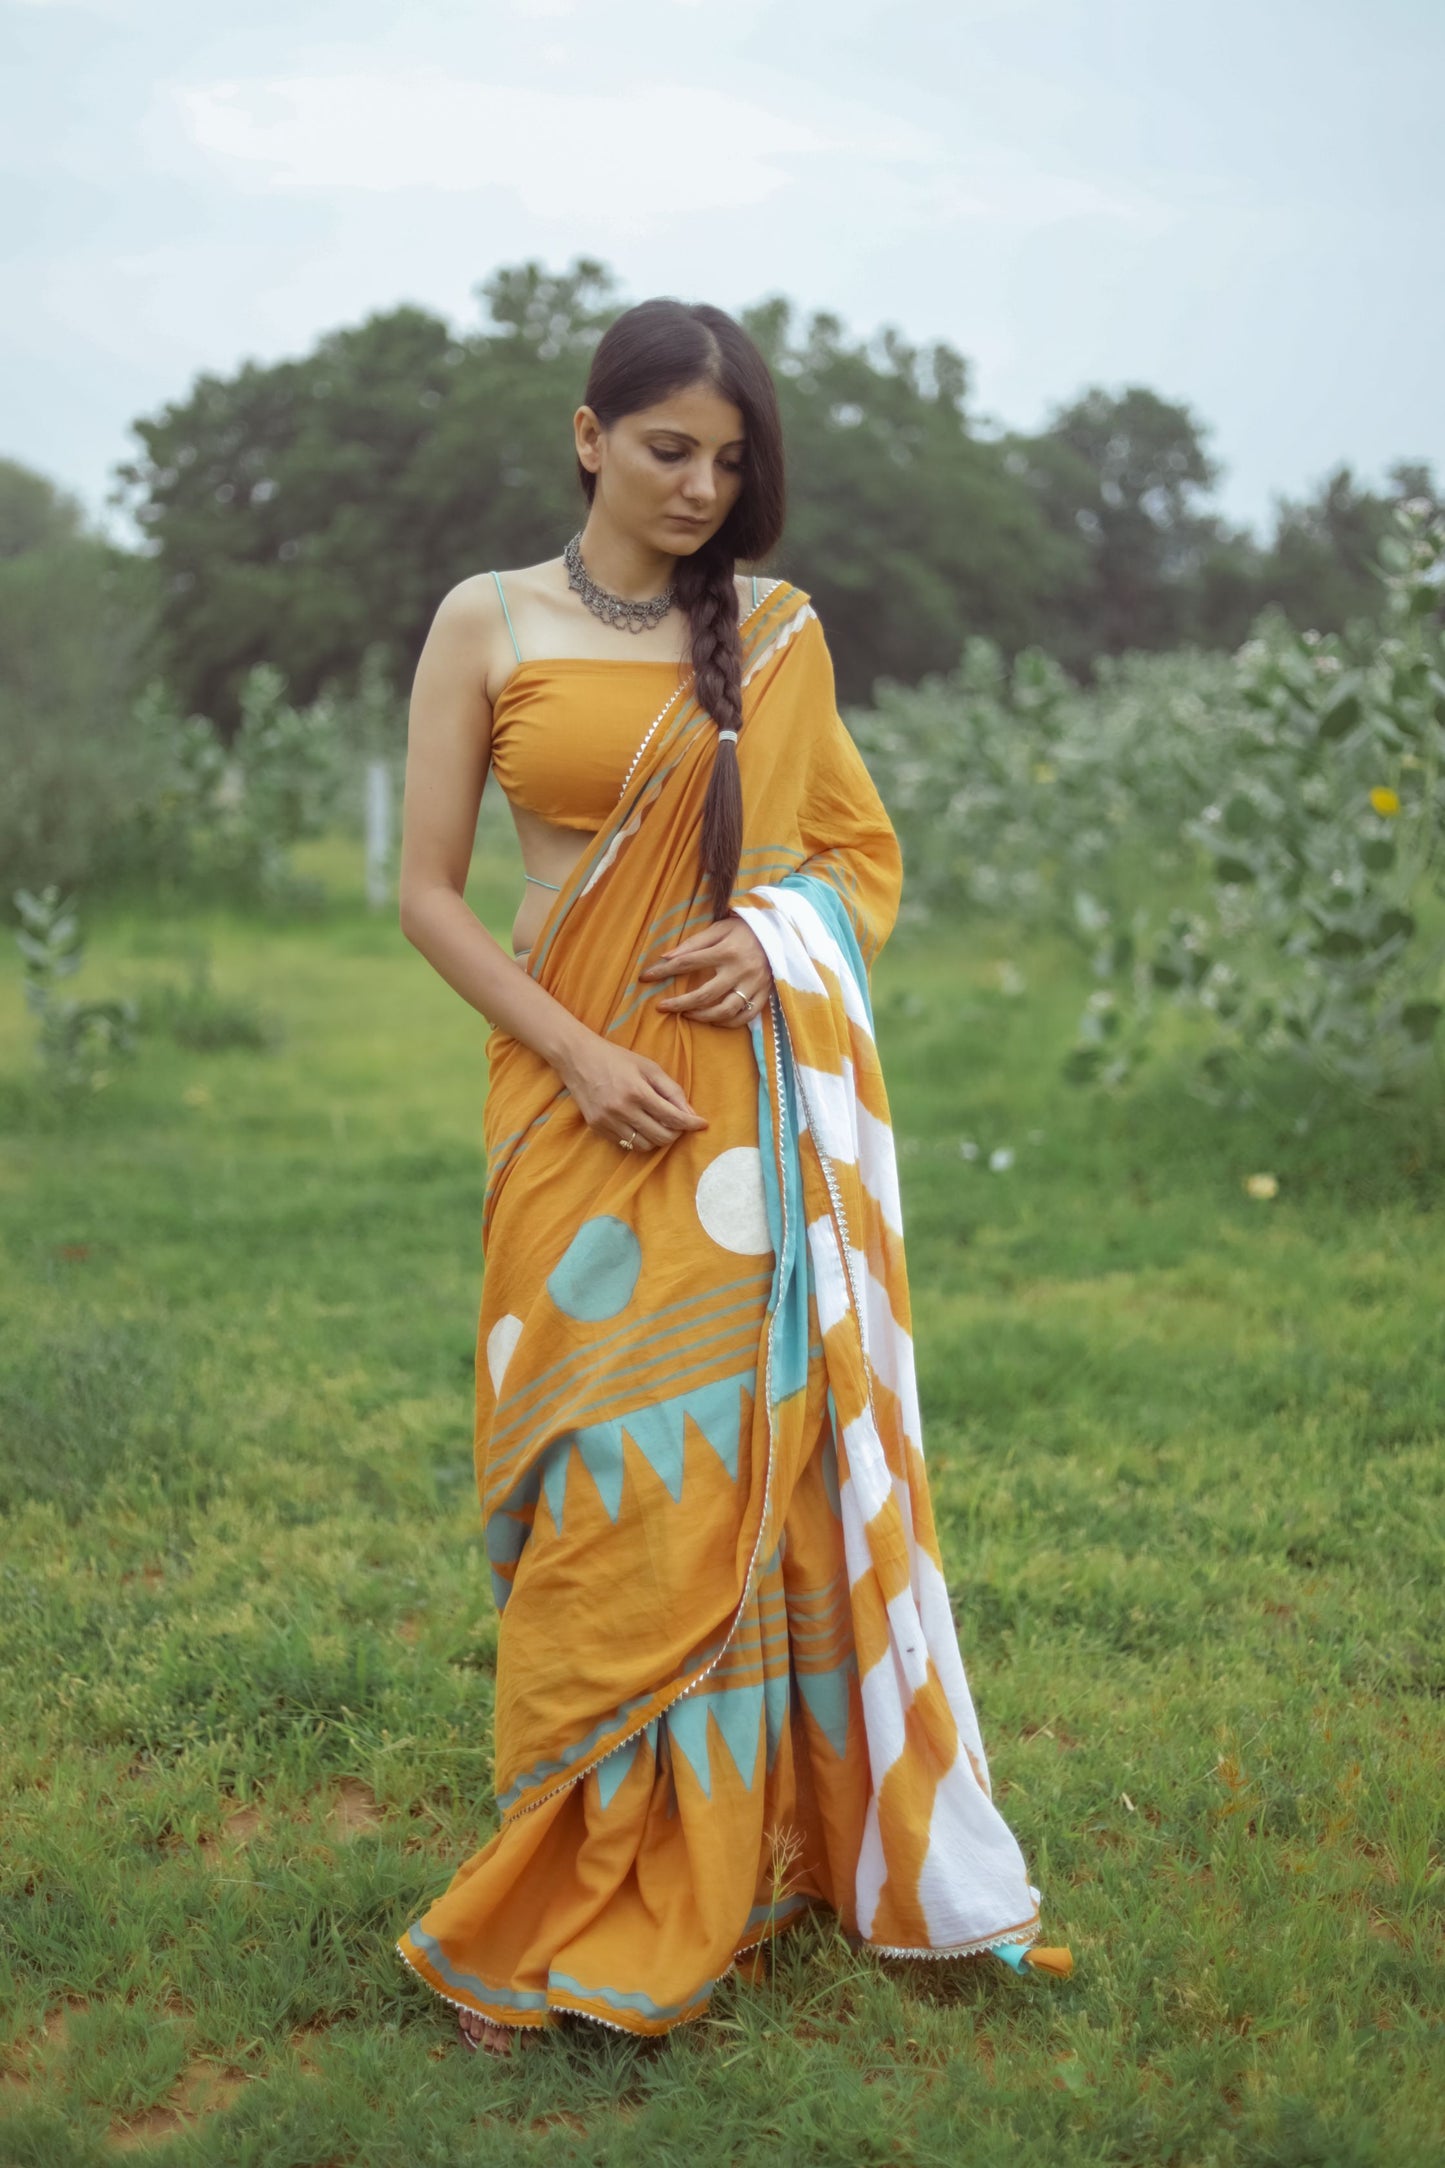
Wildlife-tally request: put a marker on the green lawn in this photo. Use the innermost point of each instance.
(1186, 1456)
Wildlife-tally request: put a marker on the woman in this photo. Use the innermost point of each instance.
(728, 1684)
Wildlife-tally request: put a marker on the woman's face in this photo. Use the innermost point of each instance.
(669, 474)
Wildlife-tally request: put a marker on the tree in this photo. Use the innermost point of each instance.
(1120, 475)
(306, 511)
(34, 511)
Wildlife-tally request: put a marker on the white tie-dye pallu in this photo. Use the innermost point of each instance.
(939, 1872)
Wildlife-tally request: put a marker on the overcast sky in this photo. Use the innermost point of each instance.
(1236, 205)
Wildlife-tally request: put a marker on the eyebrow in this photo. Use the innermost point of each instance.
(664, 429)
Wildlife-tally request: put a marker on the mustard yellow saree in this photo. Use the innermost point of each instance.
(728, 1682)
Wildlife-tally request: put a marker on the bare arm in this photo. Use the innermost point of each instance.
(449, 738)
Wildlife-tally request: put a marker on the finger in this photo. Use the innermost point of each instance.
(698, 996)
(721, 991)
(646, 1133)
(668, 1101)
(727, 1011)
(668, 1115)
(696, 950)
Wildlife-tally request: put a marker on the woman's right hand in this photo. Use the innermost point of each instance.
(624, 1094)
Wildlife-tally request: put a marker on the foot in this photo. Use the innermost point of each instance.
(484, 2032)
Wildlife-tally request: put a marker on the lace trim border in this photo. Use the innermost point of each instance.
(1027, 1935)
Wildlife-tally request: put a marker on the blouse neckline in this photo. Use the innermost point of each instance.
(588, 662)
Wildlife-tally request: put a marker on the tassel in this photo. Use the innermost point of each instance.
(1019, 1954)
(1059, 1961)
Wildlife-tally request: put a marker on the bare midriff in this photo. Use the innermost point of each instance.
(550, 851)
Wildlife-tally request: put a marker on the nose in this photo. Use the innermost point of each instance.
(700, 489)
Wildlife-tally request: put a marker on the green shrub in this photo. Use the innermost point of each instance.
(1325, 839)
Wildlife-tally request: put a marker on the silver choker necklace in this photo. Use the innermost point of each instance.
(615, 609)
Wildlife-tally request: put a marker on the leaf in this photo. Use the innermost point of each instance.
(1394, 925)
(1341, 712)
(1082, 1064)
(1420, 1018)
(1242, 816)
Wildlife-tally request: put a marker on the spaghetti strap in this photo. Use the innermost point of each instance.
(506, 612)
(755, 590)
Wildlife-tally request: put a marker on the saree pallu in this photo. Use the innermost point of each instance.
(728, 1682)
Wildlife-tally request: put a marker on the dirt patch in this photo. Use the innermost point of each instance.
(354, 1808)
(304, 2038)
(1060, 1733)
(239, 1827)
(201, 2091)
(35, 2057)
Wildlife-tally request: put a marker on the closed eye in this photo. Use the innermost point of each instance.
(671, 458)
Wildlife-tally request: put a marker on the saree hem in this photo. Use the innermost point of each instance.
(806, 1905)
(493, 2017)
(981, 1947)
(697, 2007)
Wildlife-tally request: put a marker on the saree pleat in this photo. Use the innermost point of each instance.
(728, 1686)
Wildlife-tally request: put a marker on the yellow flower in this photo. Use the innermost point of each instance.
(196, 1095)
(1044, 772)
(1383, 799)
(1261, 1185)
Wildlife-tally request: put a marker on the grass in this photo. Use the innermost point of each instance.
(1185, 1450)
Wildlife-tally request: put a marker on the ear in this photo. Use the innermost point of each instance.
(587, 434)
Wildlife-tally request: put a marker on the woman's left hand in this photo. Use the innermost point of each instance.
(733, 956)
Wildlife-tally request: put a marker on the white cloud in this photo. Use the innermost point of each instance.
(650, 149)
(637, 159)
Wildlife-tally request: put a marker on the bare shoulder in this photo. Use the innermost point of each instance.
(473, 601)
(470, 629)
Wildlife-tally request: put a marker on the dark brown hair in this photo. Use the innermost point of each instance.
(661, 346)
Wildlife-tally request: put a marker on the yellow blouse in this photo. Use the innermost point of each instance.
(565, 728)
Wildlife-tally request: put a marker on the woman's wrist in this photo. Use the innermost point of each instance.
(561, 1039)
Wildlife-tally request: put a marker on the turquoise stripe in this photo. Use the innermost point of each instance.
(515, 1998)
(539, 1421)
(586, 1358)
(615, 1999)
(834, 914)
(792, 1267)
(779, 1910)
(582, 1747)
(502, 1163)
(776, 862)
(668, 1382)
(574, 1753)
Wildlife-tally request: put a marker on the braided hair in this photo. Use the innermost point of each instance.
(662, 346)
